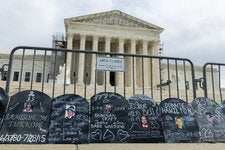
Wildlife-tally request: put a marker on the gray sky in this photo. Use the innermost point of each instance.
(194, 29)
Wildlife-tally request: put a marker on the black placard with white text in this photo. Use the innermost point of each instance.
(179, 123)
(109, 118)
(27, 118)
(210, 117)
(3, 104)
(144, 115)
(69, 121)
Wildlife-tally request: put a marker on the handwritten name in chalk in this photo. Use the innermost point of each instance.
(176, 108)
(106, 117)
(26, 117)
(137, 105)
(25, 124)
(28, 138)
(146, 112)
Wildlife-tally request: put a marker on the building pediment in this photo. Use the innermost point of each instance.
(114, 17)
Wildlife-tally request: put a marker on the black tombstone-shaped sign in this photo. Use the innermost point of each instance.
(109, 118)
(27, 118)
(3, 103)
(69, 120)
(179, 123)
(210, 118)
(144, 115)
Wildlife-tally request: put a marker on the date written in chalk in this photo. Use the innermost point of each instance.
(27, 138)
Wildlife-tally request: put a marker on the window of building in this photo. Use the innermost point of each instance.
(27, 77)
(4, 76)
(38, 77)
(16, 76)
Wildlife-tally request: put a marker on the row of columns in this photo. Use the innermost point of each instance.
(119, 75)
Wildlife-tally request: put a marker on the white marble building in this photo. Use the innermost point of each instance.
(112, 31)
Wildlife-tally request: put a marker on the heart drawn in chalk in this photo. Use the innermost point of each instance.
(96, 135)
(108, 135)
(123, 135)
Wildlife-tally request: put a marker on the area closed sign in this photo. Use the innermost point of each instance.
(110, 64)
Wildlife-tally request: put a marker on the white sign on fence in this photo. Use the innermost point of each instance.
(110, 64)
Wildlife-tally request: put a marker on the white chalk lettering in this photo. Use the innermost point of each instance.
(28, 138)
(174, 108)
(25, 124)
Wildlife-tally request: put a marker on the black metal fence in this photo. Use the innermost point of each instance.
(213, 74)
(62, 71)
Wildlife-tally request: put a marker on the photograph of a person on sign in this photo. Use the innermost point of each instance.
(144, 123)
(211, 118)
(28, 107)
(70, 112)
(179, 122)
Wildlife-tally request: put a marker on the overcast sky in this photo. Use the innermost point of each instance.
(194, 29)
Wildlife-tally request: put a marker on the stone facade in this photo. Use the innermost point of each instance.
(27, 75)
(112, 31)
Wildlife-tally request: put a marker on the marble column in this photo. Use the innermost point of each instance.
(107, 49)
(156, 48)
(155, 52)
(93, 59)
(138, 67)
(69, 57)
(146, 63)
(81, 60)
(133, 62)
(120, 75)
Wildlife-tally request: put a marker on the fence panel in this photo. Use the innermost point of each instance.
(62, 71)
(214, 81)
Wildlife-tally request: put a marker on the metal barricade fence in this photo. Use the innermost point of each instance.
(62, 71)
(213, 75)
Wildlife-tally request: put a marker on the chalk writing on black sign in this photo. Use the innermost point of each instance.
(108, 118)
(28, 138)
(179, 123)
(145, 124)
(3, 103)
(69, 122)
(27, 118)
(210, 118)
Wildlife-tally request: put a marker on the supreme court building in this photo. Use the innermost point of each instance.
(112, 31)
